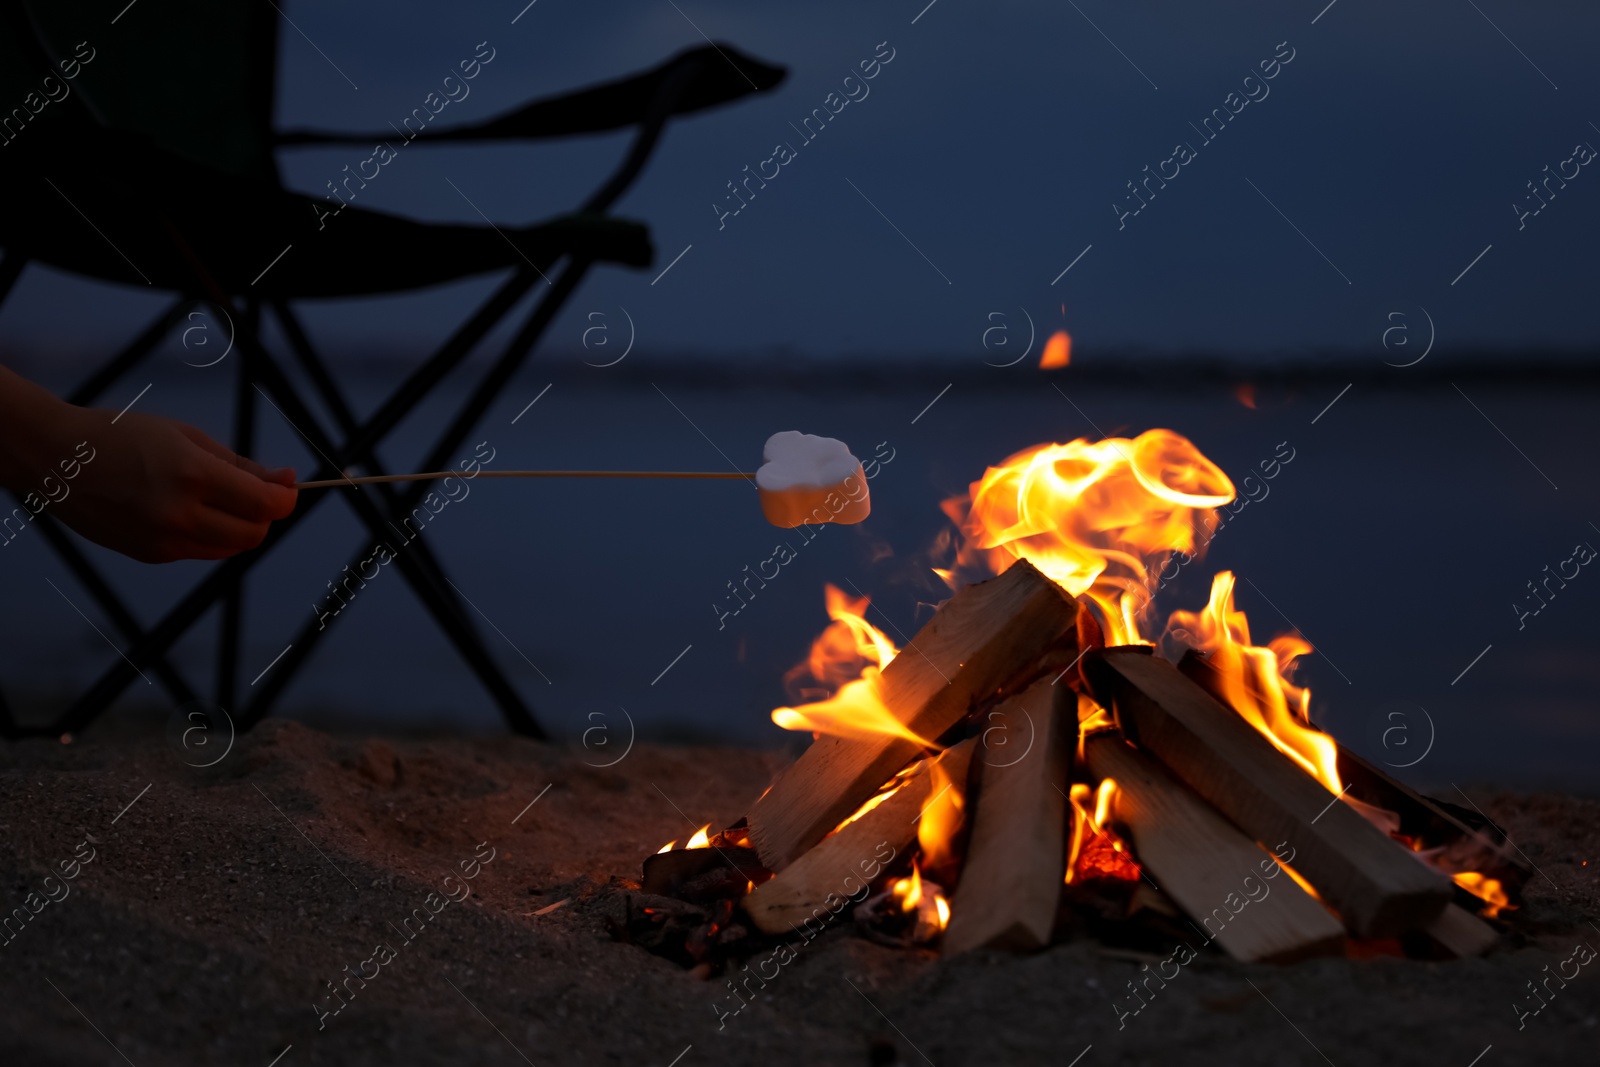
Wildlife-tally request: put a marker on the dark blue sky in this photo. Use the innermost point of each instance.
(986, 158)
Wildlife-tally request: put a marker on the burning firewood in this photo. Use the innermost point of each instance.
(1211, 776)
(844, 865)
(1225, 881)
(1463, 848)
(1016, 856)
(987, 636)
(1481, 859)
(1370, 881)
(687, 873)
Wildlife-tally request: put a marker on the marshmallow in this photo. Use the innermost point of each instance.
(808, 479)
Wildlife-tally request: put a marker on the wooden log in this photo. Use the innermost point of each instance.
(1458, 933)
(1016, 851)
(987, 636)
(1465, 847)
(844, 864)
(665, 873)
(1226, 882)
(1375, 886)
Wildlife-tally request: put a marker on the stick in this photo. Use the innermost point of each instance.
(1016, 859)
(984, 637)
(1226, 882)
(375, 479)
(845, 863)
(1378, 889)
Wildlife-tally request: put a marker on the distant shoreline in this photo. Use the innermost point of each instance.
(892, 372)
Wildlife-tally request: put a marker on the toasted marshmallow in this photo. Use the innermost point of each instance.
(809, 479)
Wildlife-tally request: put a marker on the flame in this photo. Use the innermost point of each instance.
(850, 644)
(942, 816)
(1298, 878)
(1092, 718)
(855, 711)
(1096, 518)
(1489, 890)
(1245, 393)
(1256, 683)
(1103, 798)
(870, 803)
(1057, 351)
(918, 898)
(908, 891)
(846, 658)
(700, 839)
(1095, 851)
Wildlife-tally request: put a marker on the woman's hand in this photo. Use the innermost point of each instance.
(146, 486)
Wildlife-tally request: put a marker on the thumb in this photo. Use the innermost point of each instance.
(283, 476)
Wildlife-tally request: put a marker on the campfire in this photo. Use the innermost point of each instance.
(1044, 760)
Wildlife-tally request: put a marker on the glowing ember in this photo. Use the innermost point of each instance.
(846, 659)
(1256, 681)
(1057, 351)
(1096, 518)
(1095, 851)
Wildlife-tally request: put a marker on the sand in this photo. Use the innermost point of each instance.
(221, 903)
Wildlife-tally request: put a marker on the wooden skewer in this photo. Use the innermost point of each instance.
(333, 483)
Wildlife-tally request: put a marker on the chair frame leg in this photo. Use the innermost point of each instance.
(230, 636)
(65, 546)
(422, 570)
(306, 640)
(311, 363)
(181, 616)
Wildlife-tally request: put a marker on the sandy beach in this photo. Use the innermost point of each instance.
(222, 905)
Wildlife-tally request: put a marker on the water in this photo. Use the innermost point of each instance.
(1396, 539)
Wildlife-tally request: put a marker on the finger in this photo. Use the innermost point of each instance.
(244, 495)
(216, 534)
(205, 441)
(228, 455)
(212, 537)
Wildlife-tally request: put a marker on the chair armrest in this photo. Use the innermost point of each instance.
(721, 75)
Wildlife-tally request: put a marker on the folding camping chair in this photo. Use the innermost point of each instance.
(163, 144)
